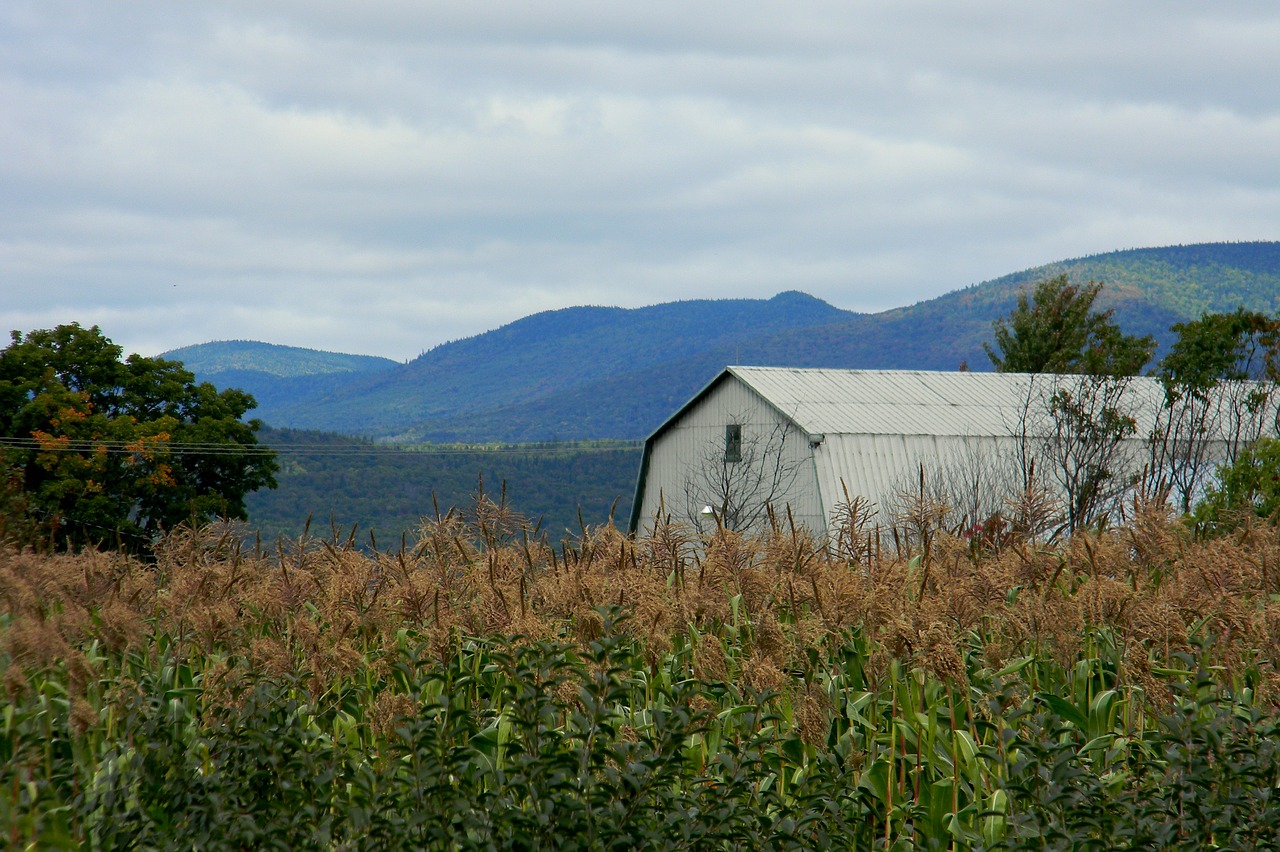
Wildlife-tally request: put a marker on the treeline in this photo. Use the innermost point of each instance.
(388, 490)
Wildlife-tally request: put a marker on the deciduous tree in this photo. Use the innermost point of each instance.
(1055, 329)
(100, 449)
(1076, 420)
(1219, 381)
(742, 477)
(1248, 485)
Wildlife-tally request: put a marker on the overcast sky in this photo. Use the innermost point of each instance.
(382, 176)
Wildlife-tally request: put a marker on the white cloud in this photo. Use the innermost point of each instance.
(384, 176)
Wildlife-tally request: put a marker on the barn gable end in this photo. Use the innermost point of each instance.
(687, 454)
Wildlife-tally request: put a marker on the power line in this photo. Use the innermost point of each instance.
(143, 446)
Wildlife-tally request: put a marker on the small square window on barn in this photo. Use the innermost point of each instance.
(733, 443)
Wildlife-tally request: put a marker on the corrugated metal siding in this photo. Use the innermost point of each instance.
(880, 467)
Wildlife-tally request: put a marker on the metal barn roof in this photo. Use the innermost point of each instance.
(894, 402)
(900, 402)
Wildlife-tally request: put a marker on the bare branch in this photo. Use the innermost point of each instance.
(739, 493)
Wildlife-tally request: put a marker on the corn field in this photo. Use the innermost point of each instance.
(481, 687)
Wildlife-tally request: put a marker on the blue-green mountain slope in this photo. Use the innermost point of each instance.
(602, 373)
(1149, 290)
(251, 356)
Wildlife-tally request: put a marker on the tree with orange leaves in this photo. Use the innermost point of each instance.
(97, 449)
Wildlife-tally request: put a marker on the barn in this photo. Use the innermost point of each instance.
(805, 440)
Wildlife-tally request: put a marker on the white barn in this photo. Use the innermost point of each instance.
(801, 439)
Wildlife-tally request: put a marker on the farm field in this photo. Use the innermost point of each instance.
(482, 688)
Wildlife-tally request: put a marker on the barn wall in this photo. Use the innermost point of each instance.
(695, 442)
(879, 468)
(976, 476)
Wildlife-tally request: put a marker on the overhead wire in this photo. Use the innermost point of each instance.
(211, 448)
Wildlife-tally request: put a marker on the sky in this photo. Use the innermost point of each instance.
(384, 176)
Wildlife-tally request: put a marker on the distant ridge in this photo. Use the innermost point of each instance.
(251, 356)
(530, 359)
(1187, 279)
(614, 373)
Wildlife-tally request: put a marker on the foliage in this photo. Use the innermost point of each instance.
(1089, 426)
(1077, 425)
(117, 450)
(1205, 775)
(1055, 329)
(1237, 346)
(1220, 379)
(1247, 487)
(1071, 445)
(1048, 330)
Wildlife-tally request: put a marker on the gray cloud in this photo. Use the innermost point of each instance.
(385, 176)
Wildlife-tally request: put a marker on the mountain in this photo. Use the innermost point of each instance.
(527, 360)
(277, 376)
(1149, 290)
(252, 357)
(613, 373)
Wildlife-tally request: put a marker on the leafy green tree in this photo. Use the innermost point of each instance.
(1248, 485)
(1237, 346)
(1076, 421)
(96, 449)
(1056, 330)
(1220, 379)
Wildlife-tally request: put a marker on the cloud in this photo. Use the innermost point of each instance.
(384, 176)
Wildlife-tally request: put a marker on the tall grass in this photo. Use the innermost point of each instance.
(484, 688)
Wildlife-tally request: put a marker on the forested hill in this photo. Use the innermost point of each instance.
(531, 359)
(1188, 280)
(251, 356)
(598, 373)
